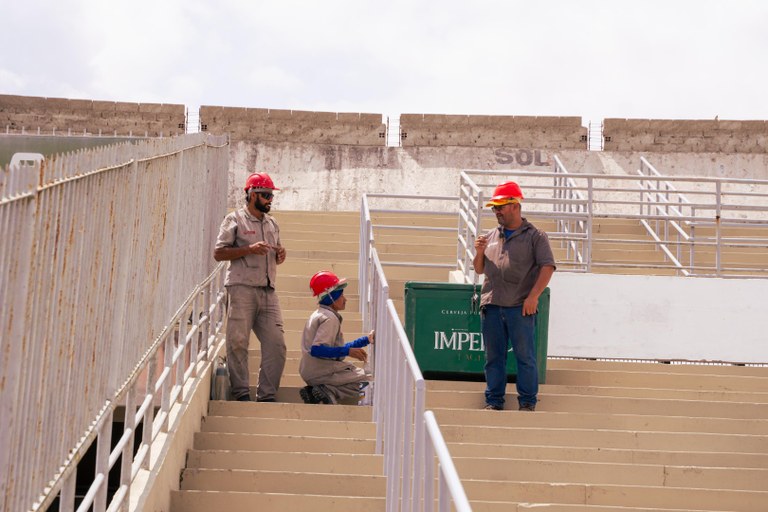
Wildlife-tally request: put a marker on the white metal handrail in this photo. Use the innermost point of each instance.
(470, 215)
(399, 397)
(662, 209)
(186, 350)
(663, 192)
(449, 486)
(574, 203)
(102, 259)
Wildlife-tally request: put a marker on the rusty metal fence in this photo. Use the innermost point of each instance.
(105, 267)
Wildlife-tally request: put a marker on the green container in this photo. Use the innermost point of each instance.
(442, 321)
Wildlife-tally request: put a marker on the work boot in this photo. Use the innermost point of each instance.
(321, 395)
(307, 395)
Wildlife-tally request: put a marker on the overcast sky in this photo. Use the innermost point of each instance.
(661, 59)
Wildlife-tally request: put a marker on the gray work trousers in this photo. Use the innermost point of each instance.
(255, 309)
(342, 384)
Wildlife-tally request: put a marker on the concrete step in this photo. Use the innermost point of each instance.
(599, 420)
(349, 270)
(627, 253)
(282, 443)
(758, 232)
(275, 426)
(730, 259)
(612, 227)
(656, 367)
(618, 392)
(404, 236)
(557, 376)
(291, 411)
(315, 255)
(613, 405)
(415, 257)
(337, 463)
(617, 439)
(408, 219)
(302, 217)
(319, 256)
(615, 455)
(494, 496)
(287, 482)
(445, 248)
(206, 501)
(631, 269)
(651, 475)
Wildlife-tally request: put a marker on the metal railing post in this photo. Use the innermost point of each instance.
(718, 227)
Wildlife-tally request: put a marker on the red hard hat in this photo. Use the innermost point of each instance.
(508, 192)
(325, 282)
(259, 180)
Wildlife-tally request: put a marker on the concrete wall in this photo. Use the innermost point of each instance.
(334, 177)
(493, 131)
(296, 126)
(692, 136)
(713, 165)
(657, 317)
(88, 117)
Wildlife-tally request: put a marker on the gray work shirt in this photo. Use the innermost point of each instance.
(512, 264)
(322, 328)
(240, 228)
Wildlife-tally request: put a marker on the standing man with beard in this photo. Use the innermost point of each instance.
(249, 238)
(517, 261)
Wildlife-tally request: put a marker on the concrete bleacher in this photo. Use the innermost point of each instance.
(607, 436)
(296, 126)
(492, 131)
(692, 136)
(62, 116)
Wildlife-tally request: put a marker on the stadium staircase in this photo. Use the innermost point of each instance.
(607, 436)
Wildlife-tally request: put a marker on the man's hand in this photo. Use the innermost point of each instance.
(480, 244)
(530, 305)
(371, 336)
(259, 248)
(478, 262)
(358, 353)
(280, 253)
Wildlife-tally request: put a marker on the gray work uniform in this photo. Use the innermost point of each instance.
(253, 304)
(341, 379)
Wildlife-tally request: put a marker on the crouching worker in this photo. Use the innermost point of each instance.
(329, 378)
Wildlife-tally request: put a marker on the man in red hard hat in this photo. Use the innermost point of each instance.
(329, 378)
(517, 262)
(249, 238)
